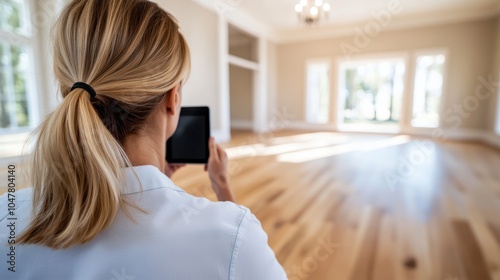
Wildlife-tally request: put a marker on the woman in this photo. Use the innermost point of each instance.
(101, 206)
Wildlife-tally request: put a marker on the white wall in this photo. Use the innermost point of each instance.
(200, 28)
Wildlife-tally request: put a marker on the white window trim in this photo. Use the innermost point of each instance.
(41, 83)
(328, 61)
(444, 90)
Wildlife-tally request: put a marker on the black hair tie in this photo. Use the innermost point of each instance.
(85, 87)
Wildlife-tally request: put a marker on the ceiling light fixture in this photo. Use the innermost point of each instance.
(312, 11)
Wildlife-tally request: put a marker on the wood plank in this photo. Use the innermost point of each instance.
(473, 259)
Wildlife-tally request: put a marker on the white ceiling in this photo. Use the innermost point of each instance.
(280, 14)
(277, 20)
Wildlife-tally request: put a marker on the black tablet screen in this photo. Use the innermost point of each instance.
(189, 144)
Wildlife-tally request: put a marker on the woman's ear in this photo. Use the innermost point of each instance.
(173, 100)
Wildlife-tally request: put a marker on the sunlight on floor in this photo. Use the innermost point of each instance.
(312, 146)
(294, 143)
(308, 137)
(313, 154)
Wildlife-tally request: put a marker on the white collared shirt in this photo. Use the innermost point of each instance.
(181, 237)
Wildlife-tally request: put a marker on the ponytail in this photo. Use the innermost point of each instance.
(132, 54)
(76, 165)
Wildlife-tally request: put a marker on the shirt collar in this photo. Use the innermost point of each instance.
(150, 177)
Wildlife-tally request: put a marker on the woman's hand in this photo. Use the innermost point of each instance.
(171, 168)
(218, 172)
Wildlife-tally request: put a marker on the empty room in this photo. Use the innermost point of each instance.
(250, 139)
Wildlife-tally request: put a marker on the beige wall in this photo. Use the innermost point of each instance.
(470, 47)
(246, 51)
(241, 93)
(200, 27)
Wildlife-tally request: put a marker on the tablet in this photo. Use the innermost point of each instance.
(189, 144)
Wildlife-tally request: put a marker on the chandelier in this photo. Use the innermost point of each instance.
(312, 11)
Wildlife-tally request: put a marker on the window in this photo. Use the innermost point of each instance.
(318, 92)
(428, 90)
(370, 94)
(17, 105)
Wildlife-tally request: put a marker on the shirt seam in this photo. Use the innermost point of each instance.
(231, 264)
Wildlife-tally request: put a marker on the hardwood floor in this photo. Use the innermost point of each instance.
(357, 207)
(374, 207)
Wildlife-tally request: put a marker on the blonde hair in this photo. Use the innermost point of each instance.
(132, 53)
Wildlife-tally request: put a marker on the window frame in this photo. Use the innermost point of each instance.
(30, 43)
(320, 60)
(444, 90)
(403, 56)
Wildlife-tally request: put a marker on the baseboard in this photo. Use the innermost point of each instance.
(446, 134)
(242, 124)
(308, 126)
(449, 134)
